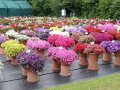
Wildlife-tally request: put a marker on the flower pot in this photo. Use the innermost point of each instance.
(93, 61)
(117, 58)
(23, 42)
(32, 76)
(23, 72)
(83, 60)
(41, 53)
(13, 61)
(107, 57)
(65, 70)
(2, 51)
(56, 65)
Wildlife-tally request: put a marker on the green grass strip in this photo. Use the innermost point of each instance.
(111, 82)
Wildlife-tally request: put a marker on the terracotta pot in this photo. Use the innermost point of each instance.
(93, 61)
(32, 76)
(107, 57)
(55, 65)
(2, 51)
(13, 61)
(117, 58)
(23, 42)
(65, 70)
(41, 53)
(23, 72)
(83, 60)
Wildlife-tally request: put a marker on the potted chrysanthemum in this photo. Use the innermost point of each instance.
(12, 50)
(29, 33)
(76, 36)
(79, 47)
(22, 38)
(94, 51)
(107, 55)
(42, 33)
(31, 64)
(38, 45)
(11, 34)
(86, 39)
(52, 55)
(66, 57)
(64, 41)
(112, 47)
(3, 45)
(52, 39)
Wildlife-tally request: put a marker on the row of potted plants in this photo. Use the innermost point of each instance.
(39, 34)
(62, 59)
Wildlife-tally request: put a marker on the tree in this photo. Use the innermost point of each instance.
(115, 9)
(81, 8)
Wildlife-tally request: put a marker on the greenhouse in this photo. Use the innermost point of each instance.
(15, 8)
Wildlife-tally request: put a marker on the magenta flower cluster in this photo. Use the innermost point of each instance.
(52, 38)
(37, 44)
(64, 41)
(52, 52)
(62, 55)
(67, 56)
(100, 37)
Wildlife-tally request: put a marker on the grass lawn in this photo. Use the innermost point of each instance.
(111, 82)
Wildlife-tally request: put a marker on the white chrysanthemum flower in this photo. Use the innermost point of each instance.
(11, 33)
(59, 33)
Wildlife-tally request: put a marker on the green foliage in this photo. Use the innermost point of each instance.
(12, 50)
(80, 8)
(115, 9)
(3, 45)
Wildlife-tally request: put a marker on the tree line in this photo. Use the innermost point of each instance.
(80, 8)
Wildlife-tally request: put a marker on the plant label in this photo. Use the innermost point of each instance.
(28, 51)
(113, 41)
(103, 31)
(86, 33)
(60, 48)
(91, 42)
